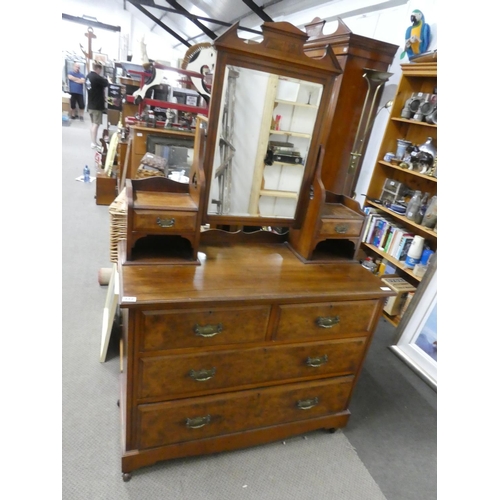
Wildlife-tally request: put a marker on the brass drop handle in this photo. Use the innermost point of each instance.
(315, 362)
(341, 228)
(202, 375)
(207, 330)
(165, 222)
(197, 422)
(327, 321)
(307, 404)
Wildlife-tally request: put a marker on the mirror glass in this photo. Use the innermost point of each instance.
(266, 123)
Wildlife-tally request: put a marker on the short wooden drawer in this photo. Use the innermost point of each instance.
(198, 418)
(163, 221)
(324, 320)
(341, 228)
(203, 327)
(172, 376)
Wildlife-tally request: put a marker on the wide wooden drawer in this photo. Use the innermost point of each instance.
(163, 221)
(332, 319)
(198, 418)
(172, 376)
(203, 327)
(340, 228)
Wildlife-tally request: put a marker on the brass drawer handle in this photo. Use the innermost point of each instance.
(327, 321)
(315, 362)
(202, 375)
(207, 330)
(165, 222)
(197, 422)
(341, 228)
(307, 404)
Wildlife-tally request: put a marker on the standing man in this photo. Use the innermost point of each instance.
(96, 85)
(76, 81)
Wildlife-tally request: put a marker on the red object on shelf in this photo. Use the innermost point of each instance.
(171, 105)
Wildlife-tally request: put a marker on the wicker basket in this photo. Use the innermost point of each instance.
(118, 229)
(143, 173)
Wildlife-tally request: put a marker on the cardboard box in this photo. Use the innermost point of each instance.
(66, 104)
(393, 305)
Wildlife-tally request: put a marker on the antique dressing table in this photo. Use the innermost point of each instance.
(233, 335)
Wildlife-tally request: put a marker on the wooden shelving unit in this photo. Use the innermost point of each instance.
(297, 113)
(416, 77)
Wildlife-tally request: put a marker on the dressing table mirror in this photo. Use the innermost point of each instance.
(269, 113)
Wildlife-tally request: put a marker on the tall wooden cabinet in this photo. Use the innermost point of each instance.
(416, 78)
(355, 54)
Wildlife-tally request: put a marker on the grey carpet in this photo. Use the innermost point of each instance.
(387, 451)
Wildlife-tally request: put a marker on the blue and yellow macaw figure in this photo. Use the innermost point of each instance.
(417, 36)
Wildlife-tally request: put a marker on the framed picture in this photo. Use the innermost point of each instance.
(416, 335)
(102, 58)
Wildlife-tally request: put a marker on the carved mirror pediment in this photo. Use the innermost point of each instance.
(269, 113)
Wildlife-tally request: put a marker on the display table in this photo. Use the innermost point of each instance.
(250, 346)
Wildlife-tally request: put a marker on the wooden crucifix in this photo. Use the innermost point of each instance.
(89, 55)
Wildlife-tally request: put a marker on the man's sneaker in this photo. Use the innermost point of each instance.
(93, 145)
(73, 117)
(81, 118)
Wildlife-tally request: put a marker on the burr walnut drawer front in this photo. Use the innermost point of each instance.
(332, 319)
(167, 221)
(172, 376)
(203, 327)
(341, 228)
(198, 418)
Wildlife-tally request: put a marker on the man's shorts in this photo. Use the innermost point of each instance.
(77, 99)
(95, 116)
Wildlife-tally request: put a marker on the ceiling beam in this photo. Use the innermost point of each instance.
(90, 22)
(190, 16)
(258, 10)
(197, 23)
(159, 23)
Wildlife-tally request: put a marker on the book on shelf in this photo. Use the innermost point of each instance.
(371, 212)
(404, 246)
(396, 240)
(379, 232)
(373, 222)
(390, 236)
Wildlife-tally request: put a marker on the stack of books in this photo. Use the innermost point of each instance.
(385, 233)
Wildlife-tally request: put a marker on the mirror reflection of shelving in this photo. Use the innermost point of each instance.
(294, 114)
(284, 111)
